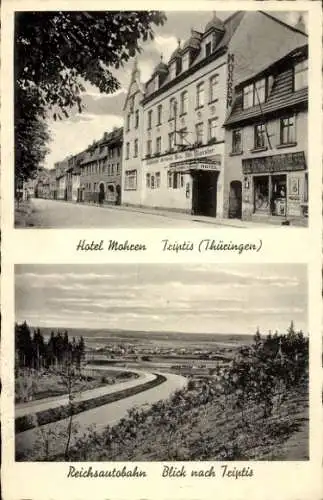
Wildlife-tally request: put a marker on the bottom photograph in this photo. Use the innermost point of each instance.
(161, 362)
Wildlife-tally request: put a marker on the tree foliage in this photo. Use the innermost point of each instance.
(33, 351)
(55, 53)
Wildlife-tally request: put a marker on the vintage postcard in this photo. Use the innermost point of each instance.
(161, 194)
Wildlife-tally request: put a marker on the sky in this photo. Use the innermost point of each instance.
(103, 111)
(191, 298)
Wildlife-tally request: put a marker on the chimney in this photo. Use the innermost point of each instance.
(300, 25)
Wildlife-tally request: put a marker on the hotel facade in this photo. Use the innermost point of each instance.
(175, 142)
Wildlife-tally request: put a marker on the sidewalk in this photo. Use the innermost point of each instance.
(215, 221)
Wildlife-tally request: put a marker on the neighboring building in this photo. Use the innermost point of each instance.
(181, 141)
(73, 177)
(61, 179)
(101, 170)
(132, 189)
(266, 143)
(42, 184)
(52, 184)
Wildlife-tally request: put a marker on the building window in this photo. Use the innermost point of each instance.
(131, 103)
(128, 122)
(199, 132)
(159, 114)
(184, 102)
(158, 145)
(254, 94)
(149, 147)
(135, 153)
(152, 182)
(212, 129)
(112, 169)
(137, 118)
(213, 88)
(130, 180)
(171, 141)
(127, 150)
(148, 181)
(248, 96)
(172, 108)
(185, 61)
(300, 75)
(150, 119)
(260, 136)
(200, 95)
(237, 141)
(260, 92)
(172, 70)
(157, 178)
(169, 179)
(178, 65)
(208, 49)
(182, 136)
(306, 188)
(118, 169)
(287, 130)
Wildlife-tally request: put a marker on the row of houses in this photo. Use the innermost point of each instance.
(93, 175)
(219, 130)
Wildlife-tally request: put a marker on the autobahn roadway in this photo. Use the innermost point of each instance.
(100, 417)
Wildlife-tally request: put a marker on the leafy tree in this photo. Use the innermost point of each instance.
(55, 53)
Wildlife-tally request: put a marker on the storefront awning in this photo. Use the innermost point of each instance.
(195, 164)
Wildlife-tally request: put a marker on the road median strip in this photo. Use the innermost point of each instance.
(44, 417)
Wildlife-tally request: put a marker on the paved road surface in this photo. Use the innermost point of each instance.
(60, 214)
(52, 402)
(102, 416)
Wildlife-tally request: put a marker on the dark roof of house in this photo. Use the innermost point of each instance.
(230, 25)
(281, 97)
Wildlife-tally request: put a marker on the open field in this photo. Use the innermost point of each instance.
(34, 385)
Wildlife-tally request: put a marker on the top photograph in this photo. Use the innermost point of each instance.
(174, 119)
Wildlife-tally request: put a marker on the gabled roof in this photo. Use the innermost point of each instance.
(281, 97)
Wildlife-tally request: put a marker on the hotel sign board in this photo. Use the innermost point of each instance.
(197, 165)
(288, 162)
(184, 155)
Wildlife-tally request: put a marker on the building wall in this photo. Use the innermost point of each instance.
(233, 162)
(103, 168)
(133, 196)
(76, 184)
(61, 187)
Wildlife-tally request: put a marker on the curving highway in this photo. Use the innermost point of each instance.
(37, 405)
(109, 414)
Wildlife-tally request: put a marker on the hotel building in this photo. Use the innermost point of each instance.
(174, 140)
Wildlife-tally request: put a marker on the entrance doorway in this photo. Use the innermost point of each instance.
(101, 193)
(270, 194)
(204, 194)
(235, 200)
(118, 196)
(261, 194)
(279, 189)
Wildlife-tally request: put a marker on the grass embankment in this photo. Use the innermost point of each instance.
(209, 432)
(61, 412)
(33, 385)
